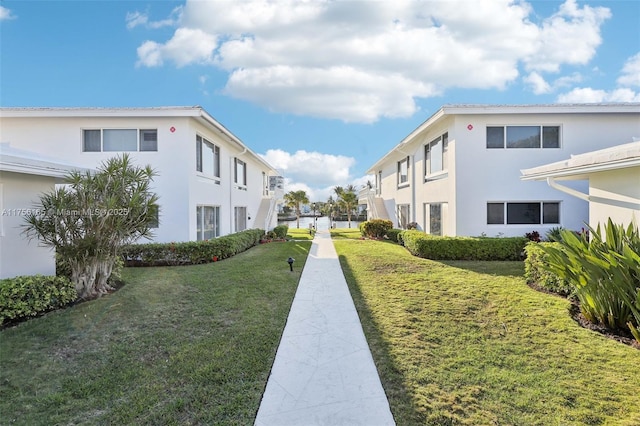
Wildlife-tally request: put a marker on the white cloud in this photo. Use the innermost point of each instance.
(538, 84)
(6, 14)
(319, 172)
(631, 72)
(589, 95)
(358, 61)
(135, 19)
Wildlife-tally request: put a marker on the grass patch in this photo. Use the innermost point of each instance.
(470, 343)
(300, 234)
(175, 345)
(346, 233)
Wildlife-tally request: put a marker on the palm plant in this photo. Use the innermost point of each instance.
(295, 199)
(347, 199)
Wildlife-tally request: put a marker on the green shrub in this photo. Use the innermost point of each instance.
(28, 296)
(605, 271)
(375, 228)
(394, 235)
(535, 271)
(553, 234)
(281, 231)
(191, 252)
(463, 248)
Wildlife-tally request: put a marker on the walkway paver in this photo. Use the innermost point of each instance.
(323, 373)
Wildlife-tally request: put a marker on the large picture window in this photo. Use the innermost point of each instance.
(207, 222)
(240, 218)
(514, 137)
(523, 213)
(403, 171)
(207, 157)
(435, 155)
(119, 140)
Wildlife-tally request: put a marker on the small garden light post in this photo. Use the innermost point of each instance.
(290, 262)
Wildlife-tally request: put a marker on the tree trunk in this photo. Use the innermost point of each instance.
(90, 277)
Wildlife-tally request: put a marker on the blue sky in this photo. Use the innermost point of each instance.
(322, 89)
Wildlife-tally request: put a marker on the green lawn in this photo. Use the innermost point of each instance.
(470, 343)
(174, 346)
(299, 233)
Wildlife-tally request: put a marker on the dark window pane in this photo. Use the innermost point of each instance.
(148, 140)
(523, 213)
(551, 213)
(495, 137)
(91, 141)
(523, 137)
(435, 219)
(198, 153)
(551, 137)
(495, 213)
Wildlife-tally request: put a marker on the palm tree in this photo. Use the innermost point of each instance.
(347, 198)
(294, 199)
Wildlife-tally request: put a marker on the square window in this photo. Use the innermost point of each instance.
(550, 212)
(495, 213)
(148, 140)
(523, 137)
(91, 141)
(495, 137)
(551, 137)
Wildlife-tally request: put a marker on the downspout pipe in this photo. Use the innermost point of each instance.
(555, 185)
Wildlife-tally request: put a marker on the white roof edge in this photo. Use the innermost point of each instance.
(477, 109)
(613, 158)
(28, 162)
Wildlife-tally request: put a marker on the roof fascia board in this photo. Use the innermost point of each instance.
(532, 174)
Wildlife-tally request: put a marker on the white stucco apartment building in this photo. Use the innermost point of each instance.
(209, 182)
(458, 173)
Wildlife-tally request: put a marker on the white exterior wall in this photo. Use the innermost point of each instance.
(621, 187)
(179, 186)
(18, 255)
(477, 175)
(486, 175)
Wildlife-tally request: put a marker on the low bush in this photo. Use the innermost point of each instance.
(281, 231)
(463, 248)
(395, 235)
(375, 228)
(192, 252)
(536, 272)
(28, 296)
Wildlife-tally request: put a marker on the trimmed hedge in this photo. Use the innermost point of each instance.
(535, 273)
(191, 252)
(463, 248)
(28, 296)
(281, 231)
(395, 235)
(375, 228)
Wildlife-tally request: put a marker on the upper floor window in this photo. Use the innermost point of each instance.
(240, 172)
(207, 157)
(523, 213)
(119, 140)
(403, 171)
(523, 136)
(436, 155)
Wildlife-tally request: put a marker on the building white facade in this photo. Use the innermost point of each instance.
(209, 182)
(614, 182)
(458, 173)
(24, 176)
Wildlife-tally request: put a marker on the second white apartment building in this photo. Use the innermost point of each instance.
(209, 182)
(458, 173)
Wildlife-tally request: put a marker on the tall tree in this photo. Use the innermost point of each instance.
(88, 220)
(295, 199)
(348, 199)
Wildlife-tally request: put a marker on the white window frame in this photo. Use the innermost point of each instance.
(201, 209)
(427, 217)
(240, 218)
(403, 183)
(240, 180)
(407, 217)
(443, 151)
(139, 137)
(201, 144)
(541, 141)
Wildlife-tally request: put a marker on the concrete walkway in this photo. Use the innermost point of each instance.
(323, 373)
